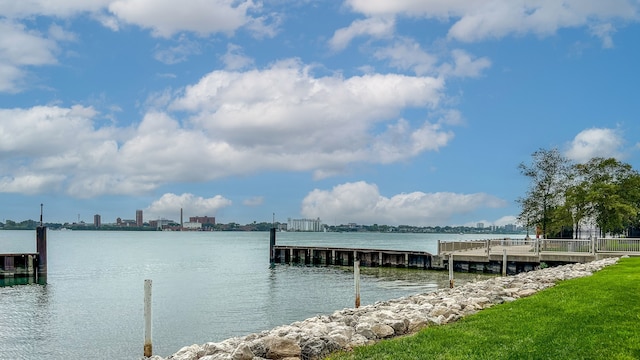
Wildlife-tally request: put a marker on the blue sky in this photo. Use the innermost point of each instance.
(412, 112)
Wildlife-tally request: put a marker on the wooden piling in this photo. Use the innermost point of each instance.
(451, 271)
(148, 348)
(41, 249)
(272, 245)
(356, 277)
(504, 262)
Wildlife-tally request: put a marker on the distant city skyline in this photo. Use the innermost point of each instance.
(392, 112)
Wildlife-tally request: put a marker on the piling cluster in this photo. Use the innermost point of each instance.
(316, 337)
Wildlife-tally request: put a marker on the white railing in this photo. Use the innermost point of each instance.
(537, 246)
(513, 246)
(565, 245)
(618, 245)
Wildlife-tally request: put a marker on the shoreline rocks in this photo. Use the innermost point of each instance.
(317, 337)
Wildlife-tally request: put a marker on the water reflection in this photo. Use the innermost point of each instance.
(25, 320)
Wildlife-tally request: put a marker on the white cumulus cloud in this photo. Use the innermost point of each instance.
(595, 142)
(375, 27)
(237, 123)
(481, 20)
(362, 203)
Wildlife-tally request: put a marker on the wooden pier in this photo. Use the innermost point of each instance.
(26, 266)
(316, 255)
(506, 256)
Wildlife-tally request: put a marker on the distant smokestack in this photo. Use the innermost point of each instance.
(181, 223)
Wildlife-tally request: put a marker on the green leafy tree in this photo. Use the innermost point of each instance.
(549, 173)
(612, 194)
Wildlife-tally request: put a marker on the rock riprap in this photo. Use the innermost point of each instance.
(316, 337)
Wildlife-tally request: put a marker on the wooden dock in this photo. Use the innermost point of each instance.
(315, 255)
(505, 255)
(26, 266)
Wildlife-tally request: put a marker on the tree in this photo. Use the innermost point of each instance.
(549, 173)
(612, 194)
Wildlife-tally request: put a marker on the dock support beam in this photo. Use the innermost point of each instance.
(41, 249)
(356, 277)
(504, 262)
(272, 245)
(451, 270)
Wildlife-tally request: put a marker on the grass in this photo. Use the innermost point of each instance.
(595, 317)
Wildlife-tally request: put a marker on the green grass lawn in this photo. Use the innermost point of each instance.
(595, 317)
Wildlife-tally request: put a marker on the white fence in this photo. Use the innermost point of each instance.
(537, 246)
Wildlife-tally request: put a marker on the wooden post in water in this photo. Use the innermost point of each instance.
(41, 249)
(356, 276)
(148, 348)
(272, 245)
(504, 262)
(451, 270)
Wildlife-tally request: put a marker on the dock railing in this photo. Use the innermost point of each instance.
(534, 247)
(513, 246)
(618, 245)
(451, 246)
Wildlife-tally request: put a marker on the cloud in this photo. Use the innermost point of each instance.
(406, 54)
(165, 19)
(481, 20)
(595, 142)
(375, 27)
(465, 65)
(178, 53)
(58, 8)
(283, 116)
(29, 183)
(361, 202)
(237, 123)
(20, 48)
(604, 32)
(168, 206)
(234, 59)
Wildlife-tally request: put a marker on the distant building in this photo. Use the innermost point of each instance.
(192, 226)
(480, 225)
(304, 225)
(139, 220)
(127, 222)
(204, 220)
(160, 223)
(97, 220)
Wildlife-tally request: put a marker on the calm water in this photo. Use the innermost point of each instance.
(207, 286)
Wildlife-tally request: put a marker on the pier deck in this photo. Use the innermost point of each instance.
(489, 256)
(18, 265)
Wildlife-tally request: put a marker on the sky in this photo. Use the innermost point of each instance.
(406, 112)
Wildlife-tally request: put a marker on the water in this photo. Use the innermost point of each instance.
(207, 286)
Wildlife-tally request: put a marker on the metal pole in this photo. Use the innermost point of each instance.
(451, 270)
(356, 276)
(147, 319)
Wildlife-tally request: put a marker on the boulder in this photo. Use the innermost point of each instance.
(280, 348)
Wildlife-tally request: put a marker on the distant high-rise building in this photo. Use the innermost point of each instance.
(97, 220)
(139, 221)
(480, 225)
(304, 224)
